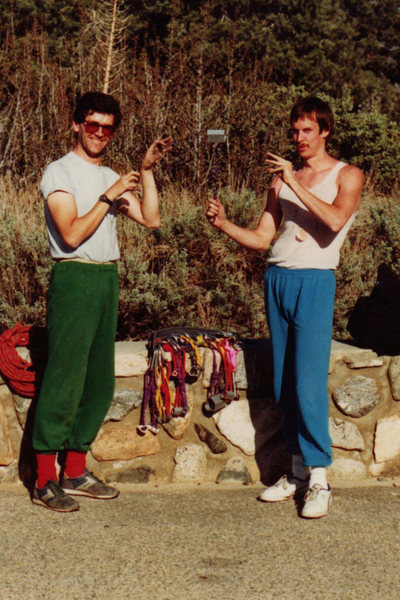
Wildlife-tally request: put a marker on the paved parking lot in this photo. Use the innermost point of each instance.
(205, 542)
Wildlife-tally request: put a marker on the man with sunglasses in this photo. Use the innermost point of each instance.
(82, 200)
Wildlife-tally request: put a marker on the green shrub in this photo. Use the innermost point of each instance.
(373, 239)
(186, 272)
(24, 260)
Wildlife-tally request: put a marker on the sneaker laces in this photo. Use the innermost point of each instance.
(282, 482)
(90, 475)
(313, 492)
(55, 489)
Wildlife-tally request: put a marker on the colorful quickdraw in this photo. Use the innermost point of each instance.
(222, 388)
(170, 351)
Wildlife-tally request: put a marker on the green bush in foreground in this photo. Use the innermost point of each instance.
(373, 239)
(185, 272)
(24, 259)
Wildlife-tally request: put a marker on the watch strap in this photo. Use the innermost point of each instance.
(103, 198)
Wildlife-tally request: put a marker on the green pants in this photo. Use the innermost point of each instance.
(78, 383)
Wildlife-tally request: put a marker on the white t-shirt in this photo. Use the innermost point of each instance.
(85, 182)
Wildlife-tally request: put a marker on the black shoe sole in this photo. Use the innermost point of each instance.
(39, 502)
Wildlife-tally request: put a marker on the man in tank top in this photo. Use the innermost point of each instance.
(82, 199)
(315, 203)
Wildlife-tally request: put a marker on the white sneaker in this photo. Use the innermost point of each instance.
(284, 489)
(316, 502)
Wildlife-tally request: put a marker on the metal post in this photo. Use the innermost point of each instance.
(216, 137)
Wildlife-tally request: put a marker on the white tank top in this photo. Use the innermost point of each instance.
(305, 242)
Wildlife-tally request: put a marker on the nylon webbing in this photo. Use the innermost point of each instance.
(175, 359)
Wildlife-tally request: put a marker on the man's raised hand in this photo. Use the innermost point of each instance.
(156, 152)
(215, 212)
(281, 166)
(126, 183)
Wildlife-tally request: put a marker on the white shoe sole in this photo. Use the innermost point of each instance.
(278, 499)
(89, 495)
(299, 489)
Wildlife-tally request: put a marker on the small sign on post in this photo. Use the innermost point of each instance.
(216, 137)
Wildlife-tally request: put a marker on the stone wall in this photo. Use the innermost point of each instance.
(242, 442)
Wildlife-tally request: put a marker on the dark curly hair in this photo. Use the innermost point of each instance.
(97, 102)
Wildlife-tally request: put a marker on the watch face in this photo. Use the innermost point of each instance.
(103, 198)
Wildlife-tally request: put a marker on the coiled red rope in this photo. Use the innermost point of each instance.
(19, 373)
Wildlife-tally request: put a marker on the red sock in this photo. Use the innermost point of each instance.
(46, 469)
(75, 464)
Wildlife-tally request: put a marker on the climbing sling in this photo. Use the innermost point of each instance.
(174, 360)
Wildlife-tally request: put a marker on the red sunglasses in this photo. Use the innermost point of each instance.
(93, 127)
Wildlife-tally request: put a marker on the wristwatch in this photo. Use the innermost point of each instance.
(103, 198)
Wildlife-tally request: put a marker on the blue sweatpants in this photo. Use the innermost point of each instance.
(299, 305)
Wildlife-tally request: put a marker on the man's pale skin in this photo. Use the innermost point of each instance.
(90, 147)
(315, 164)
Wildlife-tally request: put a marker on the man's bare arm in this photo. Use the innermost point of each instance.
(147, 211)
(259, 238)
(335, 215)
(73, 229)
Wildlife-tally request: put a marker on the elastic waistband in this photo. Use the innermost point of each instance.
(278, 269)
(86, 261)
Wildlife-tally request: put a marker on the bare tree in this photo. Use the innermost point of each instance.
(110, 50)
(106, 31)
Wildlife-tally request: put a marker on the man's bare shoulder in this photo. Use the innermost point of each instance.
(61, 204)
(351, 173)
